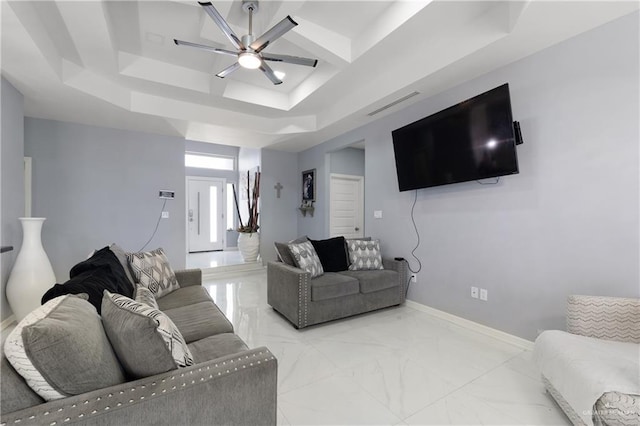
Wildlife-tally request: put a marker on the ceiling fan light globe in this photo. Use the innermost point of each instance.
(249, 60)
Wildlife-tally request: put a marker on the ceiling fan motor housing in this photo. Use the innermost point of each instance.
(247, 39)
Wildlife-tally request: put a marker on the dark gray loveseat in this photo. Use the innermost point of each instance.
(333, 295)
(228, 384)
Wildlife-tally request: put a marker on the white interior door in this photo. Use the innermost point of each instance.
(205, 214)
(346, 206)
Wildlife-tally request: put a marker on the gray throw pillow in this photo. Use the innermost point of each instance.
(121, 255)
(152, 270)
(283, 252)
(61, 349)
(146, 340)
(364, 255)
(306, 258)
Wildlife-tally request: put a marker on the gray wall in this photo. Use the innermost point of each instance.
(568, 223)
(347, 161)
(231, 239)
(11, 181)
(98, 185)
(278, 215)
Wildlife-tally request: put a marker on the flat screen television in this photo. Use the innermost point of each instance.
(469, 141)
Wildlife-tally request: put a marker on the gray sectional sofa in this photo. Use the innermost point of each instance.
(228, 384)
(305, 301)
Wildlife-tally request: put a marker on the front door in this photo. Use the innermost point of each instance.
(346, 206)
(205, 214)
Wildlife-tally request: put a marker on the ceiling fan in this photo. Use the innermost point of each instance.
(249, 49)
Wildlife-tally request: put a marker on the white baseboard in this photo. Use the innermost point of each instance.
(474, 326)
(11, 319)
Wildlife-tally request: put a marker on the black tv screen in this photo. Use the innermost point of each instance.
(468, 141)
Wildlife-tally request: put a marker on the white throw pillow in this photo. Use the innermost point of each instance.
(364, 255)
(306, 258)
(152, 270)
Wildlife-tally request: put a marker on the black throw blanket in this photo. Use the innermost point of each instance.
(100, 272)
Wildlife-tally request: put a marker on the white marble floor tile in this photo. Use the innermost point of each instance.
(299, 364)
(460, 408)
(353, 348)
(464, 357)
(402, 384)
(516, 395)
(337, 400)
(524, 364)
(281, 420)
(396, 366)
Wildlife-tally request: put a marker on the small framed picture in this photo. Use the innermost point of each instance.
(309, 185)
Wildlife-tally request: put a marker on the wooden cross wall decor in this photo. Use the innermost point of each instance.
(278, 187)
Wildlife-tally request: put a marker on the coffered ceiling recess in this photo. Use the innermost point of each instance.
(115, 64)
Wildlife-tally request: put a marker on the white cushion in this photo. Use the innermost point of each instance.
(152, 270)
(306, 258)
(364, 255)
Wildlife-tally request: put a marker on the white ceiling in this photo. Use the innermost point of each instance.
(114, 63)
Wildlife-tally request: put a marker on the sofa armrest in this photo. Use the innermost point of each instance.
(401, 267)
(288, 291)
(608, 318)
(236, 389)
(189, 277)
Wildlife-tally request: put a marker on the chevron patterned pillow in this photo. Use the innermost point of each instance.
(364, 255)
(145, 339)
(306, 258)
(152, 270)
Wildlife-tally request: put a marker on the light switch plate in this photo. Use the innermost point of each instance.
(377, 214)
(165, 215)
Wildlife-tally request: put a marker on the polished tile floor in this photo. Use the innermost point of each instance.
(397, 366)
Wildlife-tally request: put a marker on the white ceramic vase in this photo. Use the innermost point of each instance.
(249, 245)
(32, 274)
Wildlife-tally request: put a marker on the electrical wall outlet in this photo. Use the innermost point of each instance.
(474, 292)
(414, 278)
(484, 294)
(377, 214)
(165, 215)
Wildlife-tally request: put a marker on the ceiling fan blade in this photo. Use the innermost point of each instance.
(297, 60)
(266, 69)
(220, 22)
(228, 70)
(277, 31)
(207, 48)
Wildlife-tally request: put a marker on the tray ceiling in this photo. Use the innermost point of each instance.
(114, 63)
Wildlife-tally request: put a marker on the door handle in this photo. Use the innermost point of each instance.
(357, 229)
(190, 215)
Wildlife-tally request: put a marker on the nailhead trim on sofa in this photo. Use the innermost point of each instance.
(139, 393)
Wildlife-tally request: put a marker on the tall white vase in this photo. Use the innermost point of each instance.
(249, 245)
(32, 274)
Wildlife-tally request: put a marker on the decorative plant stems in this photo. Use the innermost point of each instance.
(252, 204)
